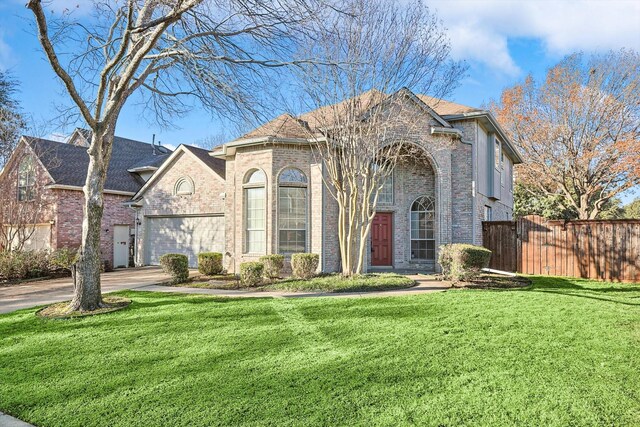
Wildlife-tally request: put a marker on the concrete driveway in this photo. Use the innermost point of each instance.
(42, 292)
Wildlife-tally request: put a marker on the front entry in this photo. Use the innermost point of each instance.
(120, 246)
(381, 245)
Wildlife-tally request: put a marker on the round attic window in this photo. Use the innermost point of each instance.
(184, 186)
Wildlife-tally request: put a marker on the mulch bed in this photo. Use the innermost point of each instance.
(60, 310)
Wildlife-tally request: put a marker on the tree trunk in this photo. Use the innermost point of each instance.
(87, 294)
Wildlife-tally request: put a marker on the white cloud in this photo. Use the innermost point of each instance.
(479, 30)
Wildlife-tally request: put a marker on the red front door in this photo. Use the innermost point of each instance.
(381, 239)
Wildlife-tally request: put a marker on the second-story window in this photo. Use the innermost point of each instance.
(26, 180)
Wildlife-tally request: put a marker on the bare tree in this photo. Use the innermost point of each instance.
(12, 121)
(26, 202)
(579, 130)
(167, 52)
(365, 119)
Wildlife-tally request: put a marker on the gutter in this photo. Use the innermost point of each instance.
(143, 169)
(228, 149)
(76, 188)
(438, 130)
(516, 157)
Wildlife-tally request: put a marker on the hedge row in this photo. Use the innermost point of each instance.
(20, 265)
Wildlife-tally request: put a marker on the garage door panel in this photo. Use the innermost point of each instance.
(184, 235)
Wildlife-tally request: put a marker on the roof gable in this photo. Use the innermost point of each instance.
(307, 124)
(200, 155)
(444, 107)
(283, 126)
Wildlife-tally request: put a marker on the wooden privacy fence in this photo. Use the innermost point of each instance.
(595, 249)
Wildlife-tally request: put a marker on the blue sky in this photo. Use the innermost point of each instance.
(501, 40)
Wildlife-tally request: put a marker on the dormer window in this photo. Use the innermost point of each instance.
(184, 187)
(26, 180)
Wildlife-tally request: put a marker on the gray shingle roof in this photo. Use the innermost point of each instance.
(67, 164)
(217, 165)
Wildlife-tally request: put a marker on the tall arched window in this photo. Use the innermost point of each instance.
(292, 211)
(255, 207)
(423, 243)
(26, 179)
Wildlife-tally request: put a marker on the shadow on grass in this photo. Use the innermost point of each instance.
(582, 288)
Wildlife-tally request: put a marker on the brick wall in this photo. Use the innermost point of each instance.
(272, 160)
(68, 221)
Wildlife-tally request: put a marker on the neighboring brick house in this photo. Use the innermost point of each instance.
(275, 200)
(51, 174)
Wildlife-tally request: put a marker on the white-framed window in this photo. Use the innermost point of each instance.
(292, 211)
(423, 239)
(385, 196)
(488, 213)
(498, 154)
(184, 186)
(26, 180)
(255, 211)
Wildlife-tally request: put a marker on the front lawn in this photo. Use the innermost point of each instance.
(561, 352)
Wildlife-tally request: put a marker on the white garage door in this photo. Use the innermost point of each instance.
(188, 235)
(33, 237)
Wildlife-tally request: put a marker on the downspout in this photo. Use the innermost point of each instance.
(136, 209)
(474, 189)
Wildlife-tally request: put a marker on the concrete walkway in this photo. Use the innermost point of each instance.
(9, 421)
(425, 284)
(42, 292)
(30, 294)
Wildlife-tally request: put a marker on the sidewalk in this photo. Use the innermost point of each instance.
(31, 294)
(425, 284)
(9, 421)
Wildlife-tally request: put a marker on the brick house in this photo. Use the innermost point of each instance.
(44, 179)
(265, 193)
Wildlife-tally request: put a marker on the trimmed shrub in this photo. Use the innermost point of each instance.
(17, 265)
(210, 263)
(273, 265)
(304, 265)
(251, 273)
(177, 265)
(64, 259)
(461, 261)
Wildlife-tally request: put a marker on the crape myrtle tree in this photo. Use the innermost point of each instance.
(579, 130)
(364, 121)
(167, 53)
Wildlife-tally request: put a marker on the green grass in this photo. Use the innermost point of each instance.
(562, 352)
